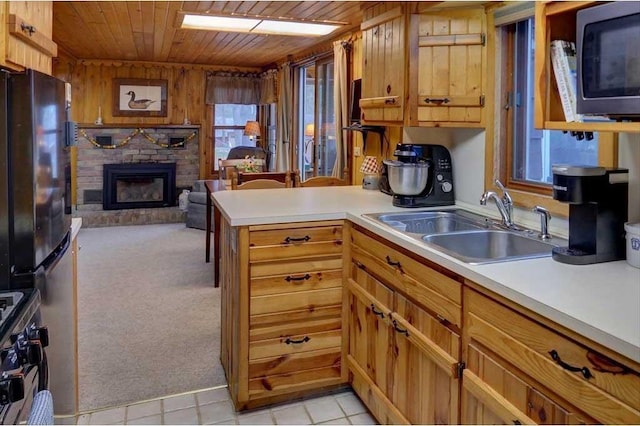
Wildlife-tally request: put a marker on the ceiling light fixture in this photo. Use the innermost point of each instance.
(257, 25)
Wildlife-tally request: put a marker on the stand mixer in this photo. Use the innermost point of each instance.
(422, 176)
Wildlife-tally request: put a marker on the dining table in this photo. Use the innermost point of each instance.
(211, 186)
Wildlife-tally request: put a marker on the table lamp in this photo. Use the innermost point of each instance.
(371, 170)
(251, 129)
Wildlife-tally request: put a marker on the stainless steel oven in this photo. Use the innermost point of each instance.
(23, 368)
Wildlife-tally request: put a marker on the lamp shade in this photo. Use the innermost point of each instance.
(370, 165)
(252, 128)
(309, 130)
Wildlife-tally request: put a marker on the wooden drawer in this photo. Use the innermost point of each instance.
(294, 242)
(429, 288)
(602, 388)
(295, 268)
(290, 328)
(293, 382)
(296, 282)
(295, 343)
(306, 300)
(291, 363)
(311, 313)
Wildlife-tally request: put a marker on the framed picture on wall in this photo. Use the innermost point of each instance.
(139, 97)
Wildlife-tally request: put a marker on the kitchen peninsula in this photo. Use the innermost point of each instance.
(292, 324)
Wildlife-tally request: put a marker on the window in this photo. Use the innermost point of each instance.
(228, 128)
(526, 154)
(533, 151)
(315, 119)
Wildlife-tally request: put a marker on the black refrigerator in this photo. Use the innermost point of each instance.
(35, 214)
(35, 209)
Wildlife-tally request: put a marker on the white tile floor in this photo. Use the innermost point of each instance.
(213, 406)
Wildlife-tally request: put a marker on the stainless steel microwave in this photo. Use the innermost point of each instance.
(608, 56)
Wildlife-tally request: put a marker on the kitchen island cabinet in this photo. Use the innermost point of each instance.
(281, 287)
(411, 315)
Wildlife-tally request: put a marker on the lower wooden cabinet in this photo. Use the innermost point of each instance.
(519, 370)
(403, 362)
(282, 310)
(493, 394)
(302, 312)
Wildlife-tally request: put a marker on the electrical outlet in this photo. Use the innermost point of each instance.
(356, 151)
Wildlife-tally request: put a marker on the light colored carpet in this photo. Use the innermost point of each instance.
(148, 314)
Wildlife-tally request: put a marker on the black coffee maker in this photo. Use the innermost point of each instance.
(598, 203)
(439, 188)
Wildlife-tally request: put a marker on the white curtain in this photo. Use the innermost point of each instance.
(268, 84)
(340, 105)
(285, 118)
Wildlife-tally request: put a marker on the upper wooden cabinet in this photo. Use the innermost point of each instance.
(26, 35)
(423, 67)
(448, 68)
(383, 66)
(557, 21)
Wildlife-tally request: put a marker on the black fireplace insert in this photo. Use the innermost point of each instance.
(138, 185)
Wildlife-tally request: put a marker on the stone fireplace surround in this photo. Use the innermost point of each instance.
(138, 149)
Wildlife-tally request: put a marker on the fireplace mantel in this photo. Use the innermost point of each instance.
(138, 126)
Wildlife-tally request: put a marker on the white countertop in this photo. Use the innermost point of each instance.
(600, 301)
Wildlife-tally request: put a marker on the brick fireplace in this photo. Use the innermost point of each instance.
(139, 149)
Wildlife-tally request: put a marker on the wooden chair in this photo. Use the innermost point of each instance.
(322, 180)
(258, 182)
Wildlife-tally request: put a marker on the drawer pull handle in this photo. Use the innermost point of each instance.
(392, 263)
(400, 330)
(295, 240)
(290, 341)
(517, 422)
(556, 357)
(302, 278)
(376, 312)
(390, 101)
(437, 101)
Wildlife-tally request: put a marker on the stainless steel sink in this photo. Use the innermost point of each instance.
(469, 237)
(487, 246)
(433, 222)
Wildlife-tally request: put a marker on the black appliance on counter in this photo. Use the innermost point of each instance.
(438, 190)
(598, 208)
(23, 360)
(35, 211)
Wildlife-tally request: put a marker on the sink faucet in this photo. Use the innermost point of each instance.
(545, 217)
(504, 204)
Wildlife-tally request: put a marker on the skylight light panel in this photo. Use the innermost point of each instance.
(219, 23)
(256, 25)
(294, 28)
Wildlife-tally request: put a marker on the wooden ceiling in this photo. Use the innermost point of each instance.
(148, 30)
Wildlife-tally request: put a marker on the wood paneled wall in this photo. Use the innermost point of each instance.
(91, 82)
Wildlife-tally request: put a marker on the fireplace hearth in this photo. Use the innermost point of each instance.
(138, 185)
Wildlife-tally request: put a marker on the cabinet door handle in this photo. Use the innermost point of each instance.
(302, 278)
(28, 28)
(400, 330)
(290, 341)
(437, 101)
(392, 263)
(295, 240)
(376, 312)
(556, 357)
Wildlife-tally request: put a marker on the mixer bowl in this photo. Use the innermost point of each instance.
(407, 178)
